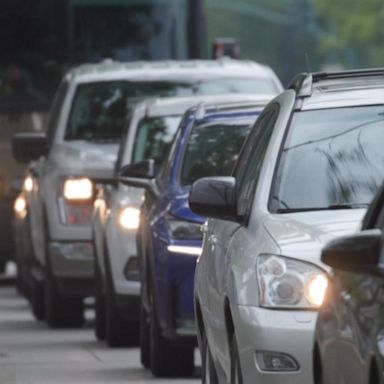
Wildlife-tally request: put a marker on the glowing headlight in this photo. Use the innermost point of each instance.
(130, 218)
(19, 206)
(28, 183)
(290, 283)
(78, 189)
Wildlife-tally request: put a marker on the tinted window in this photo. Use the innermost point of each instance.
(153, 138)
(331, 157)
(213, 148)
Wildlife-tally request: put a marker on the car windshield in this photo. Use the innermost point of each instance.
(100, 110)
(332, 159)
(213, 148)
(153, 138)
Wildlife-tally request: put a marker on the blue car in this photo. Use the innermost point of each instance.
(170, 237)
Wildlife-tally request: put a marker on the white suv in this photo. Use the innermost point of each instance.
(79, 150)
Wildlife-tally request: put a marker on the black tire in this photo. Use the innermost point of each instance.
(61, 311)
(3, 265)
(166, 359)
(119, 332)
(99, 305)
(37, 298)
(236, 375)
(209, 374)
(145, 346)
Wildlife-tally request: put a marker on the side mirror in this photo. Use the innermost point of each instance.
(139, 175)
(354, 253)
(27, 147)
(214, 197)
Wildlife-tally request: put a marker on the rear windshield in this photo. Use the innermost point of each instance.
(153, 138)
(331, 159)
(213, 148)
(100, 110)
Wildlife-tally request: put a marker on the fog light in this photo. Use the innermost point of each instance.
(28, 183)
(276, 362)
(131, 270)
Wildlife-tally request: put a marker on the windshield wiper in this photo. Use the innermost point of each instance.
(348, 206)
(330, 207)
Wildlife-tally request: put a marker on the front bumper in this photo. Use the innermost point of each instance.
(287, 332)
(73, 260)
(72, 266)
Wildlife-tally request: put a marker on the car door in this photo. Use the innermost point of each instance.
(360, 315)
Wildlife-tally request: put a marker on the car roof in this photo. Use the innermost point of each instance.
(339, 89)
(211, 103)
(169, 69)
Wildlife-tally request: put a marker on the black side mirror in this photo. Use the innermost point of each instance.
(140, 175)
(27, 147)
(354, 253)
(214, 197)
(143, 169)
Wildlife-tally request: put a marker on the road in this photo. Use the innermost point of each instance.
(31, 353)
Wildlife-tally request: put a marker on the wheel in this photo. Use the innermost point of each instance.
(145, 347)
(37, 298)
(3, 265)
(209, 374)
(61, 311)
(236, 376)
(118, 331)
(99, 305)
(166, 359)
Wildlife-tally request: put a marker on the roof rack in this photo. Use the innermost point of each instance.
(303, 82)
(318, 76)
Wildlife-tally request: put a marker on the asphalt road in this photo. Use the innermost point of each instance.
(31, 353)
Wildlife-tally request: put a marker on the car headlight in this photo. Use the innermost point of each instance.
(28, 183)
(184, 230)
(290, 283)
(20, 206)
(129, 218)
(79, 189)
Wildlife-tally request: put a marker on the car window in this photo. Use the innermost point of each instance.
(153, 138)
(331, 157)
(248, 168)
(213, 148)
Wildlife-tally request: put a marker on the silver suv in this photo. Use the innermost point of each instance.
(79, 151)
(306, 174)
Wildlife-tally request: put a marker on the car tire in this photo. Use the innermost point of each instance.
(3, 265)
(145, 346)
(37, 299)
(61, 311)
(209, 374)
(166, 359)
(119, 332)
(236, 375)
(99, 305)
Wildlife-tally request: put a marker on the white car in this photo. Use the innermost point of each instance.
(79, 150)
(306, 174)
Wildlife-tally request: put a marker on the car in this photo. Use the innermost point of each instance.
(350, 327)
(116, 217)
(79, 150)
(306, 174)
(169, 236)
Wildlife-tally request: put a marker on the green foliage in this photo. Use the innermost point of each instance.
(353, 26)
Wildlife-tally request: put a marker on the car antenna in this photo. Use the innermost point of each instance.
(307, 62)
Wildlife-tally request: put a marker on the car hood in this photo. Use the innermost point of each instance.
(303, 235)
(86, 158)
